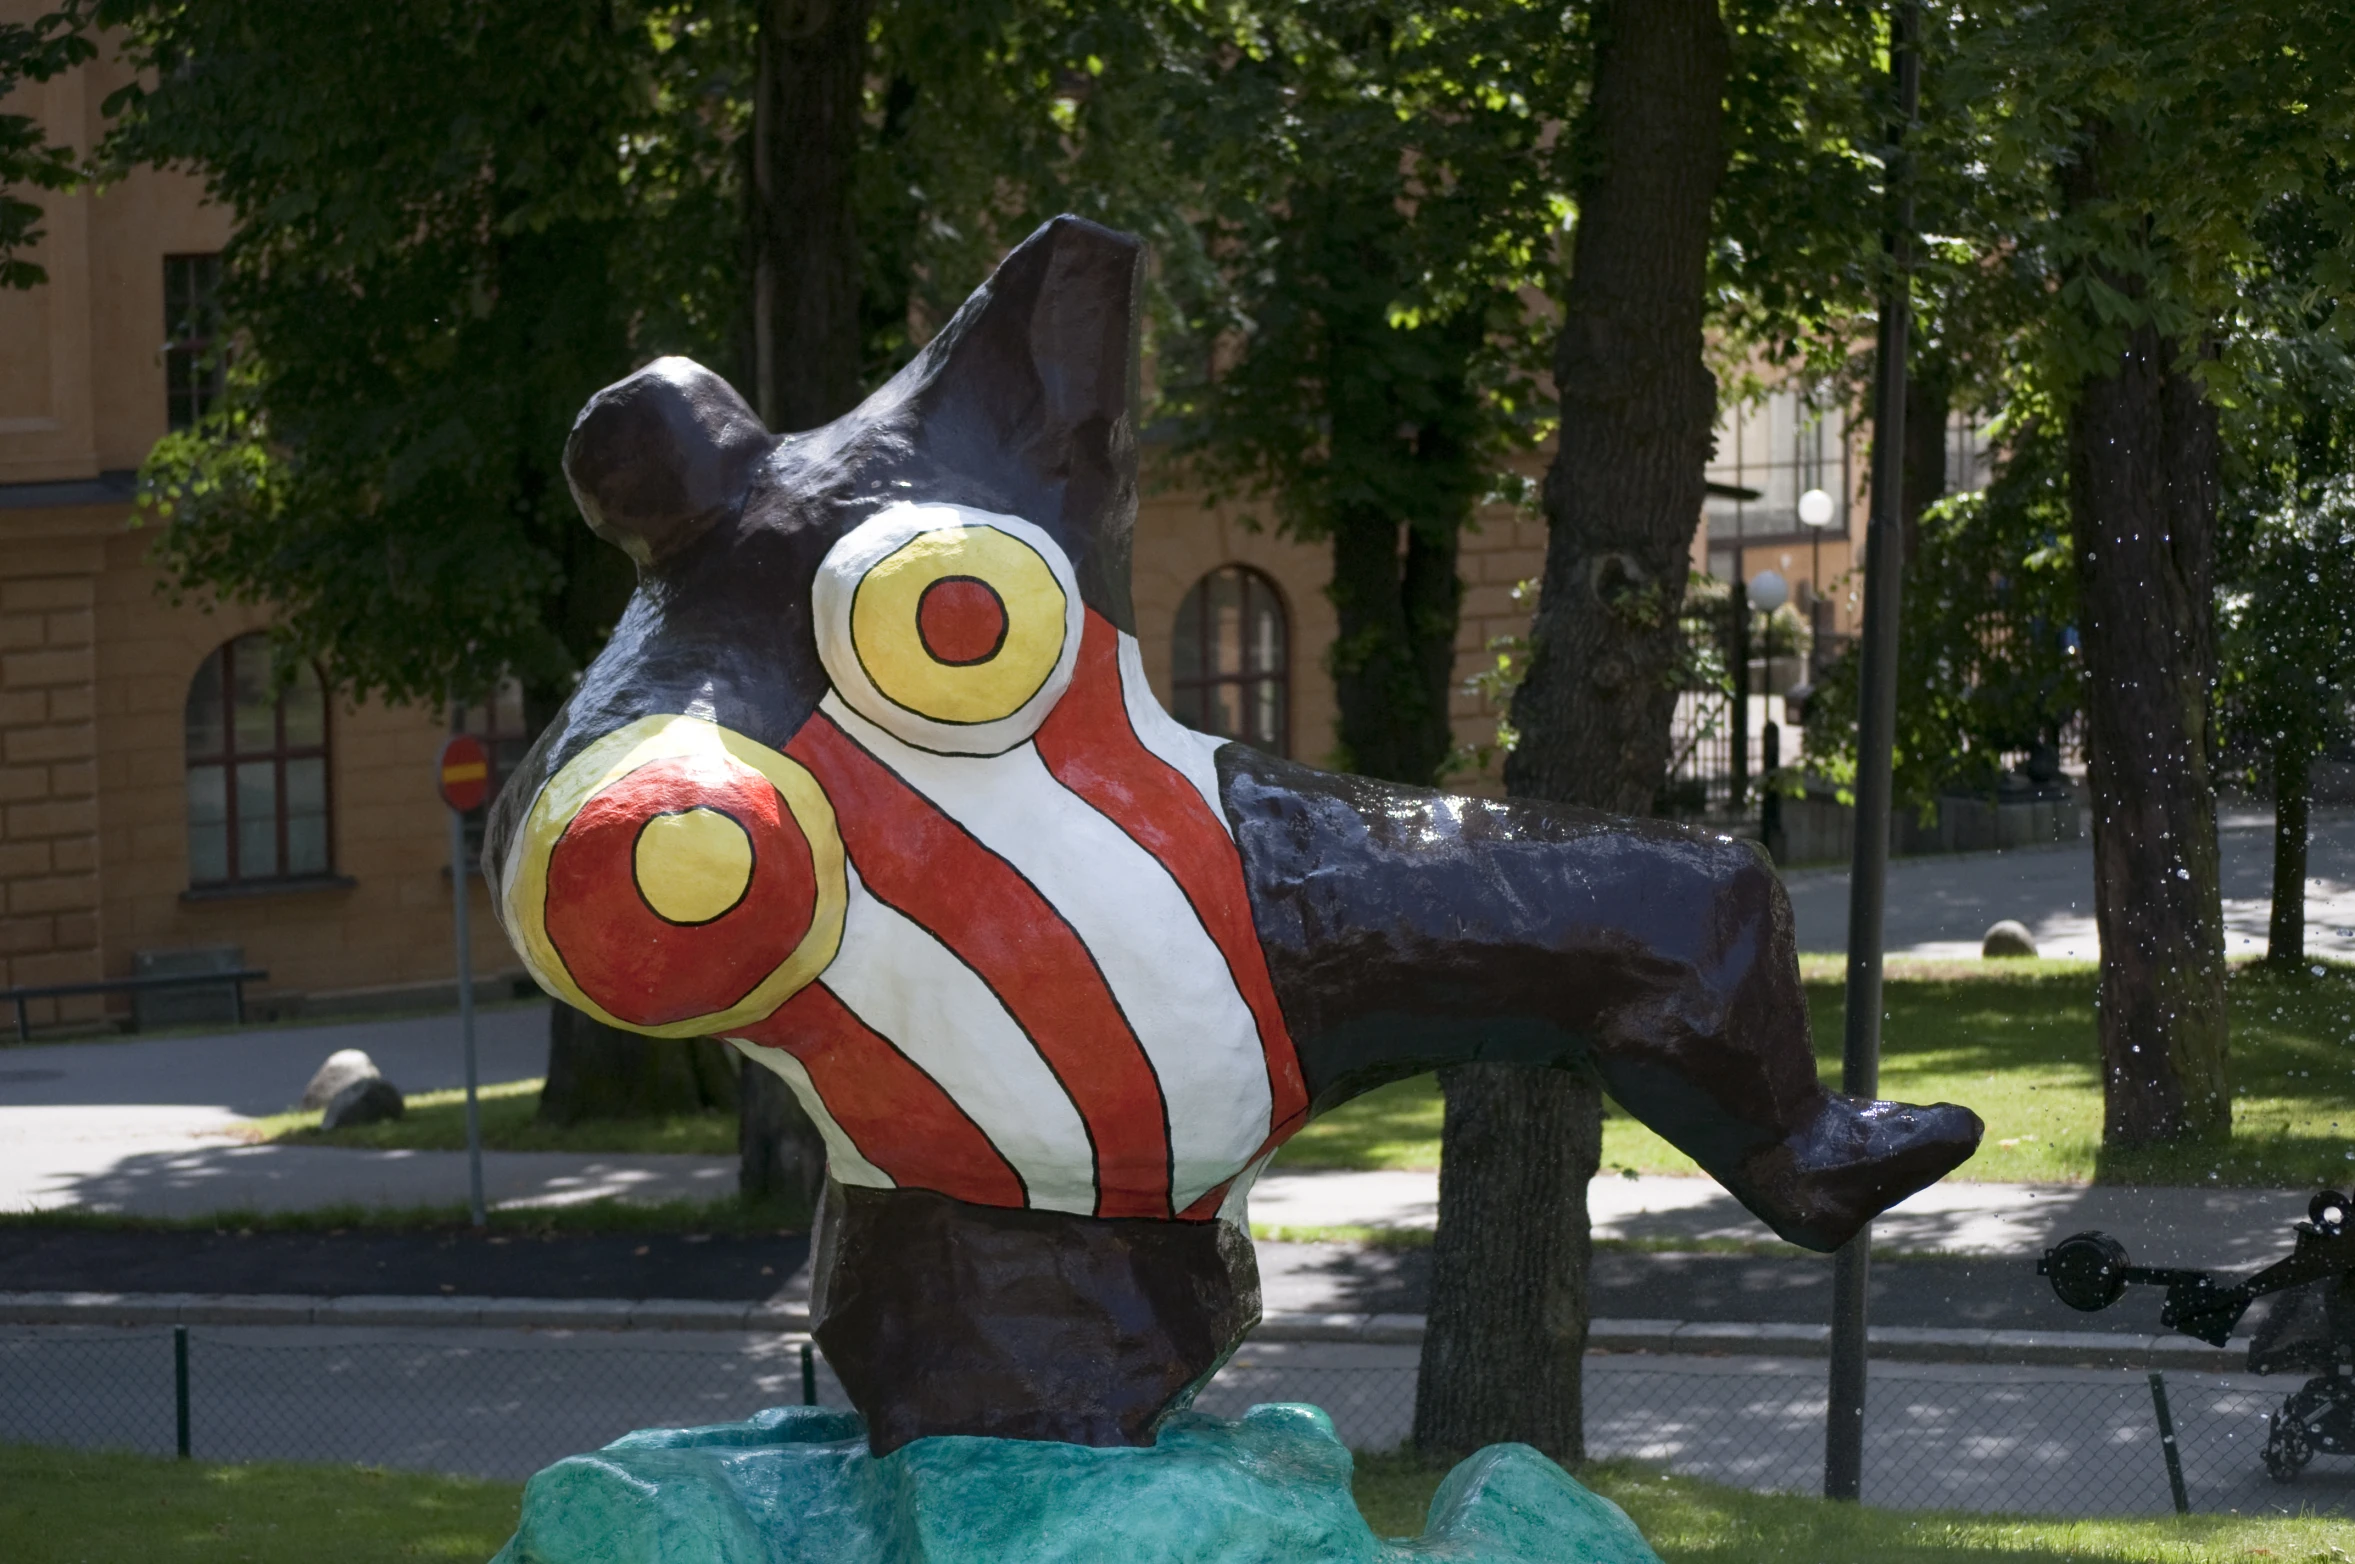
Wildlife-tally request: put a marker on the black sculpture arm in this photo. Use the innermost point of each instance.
(1406, 931)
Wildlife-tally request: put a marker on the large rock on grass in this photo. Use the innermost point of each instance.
(796, 1485)
(2008, 938)
(344, 1067)
(371, 1101)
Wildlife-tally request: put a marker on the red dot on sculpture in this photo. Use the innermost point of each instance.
(962, 621)
(627, 943)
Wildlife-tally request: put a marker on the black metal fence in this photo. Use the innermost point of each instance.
(2027, 1441)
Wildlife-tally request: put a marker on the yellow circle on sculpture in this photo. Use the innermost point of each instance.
(896, 631)
(692, 866)
(661, 736)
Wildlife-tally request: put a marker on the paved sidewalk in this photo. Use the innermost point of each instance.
(152, 1126)
(1942, 905)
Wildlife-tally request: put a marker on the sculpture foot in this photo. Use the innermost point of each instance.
(1819, 1187)
(796, 1485)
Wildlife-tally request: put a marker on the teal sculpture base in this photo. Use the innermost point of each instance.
(796, 1485)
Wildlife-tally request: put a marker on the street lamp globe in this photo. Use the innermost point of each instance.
(1815, 509)
(1769, 591)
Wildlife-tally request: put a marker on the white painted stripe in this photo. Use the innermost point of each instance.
(1192, 754)
(907, 985)
(1165, 970)
(1236, 1207)
(843, 1162)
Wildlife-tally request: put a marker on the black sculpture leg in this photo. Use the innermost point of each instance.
(1407, 931)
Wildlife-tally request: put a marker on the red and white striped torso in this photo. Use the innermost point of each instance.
(1044, 988)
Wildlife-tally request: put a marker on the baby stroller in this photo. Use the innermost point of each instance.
(2307, 1325)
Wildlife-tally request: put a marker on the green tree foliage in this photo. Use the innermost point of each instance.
(2287, 612)
(34, 51)
(454, 223)
(1987, 642)
(1379, 199)
(2098, 181)
(2287, 617)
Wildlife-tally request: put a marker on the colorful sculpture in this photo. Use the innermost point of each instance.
(870, 783)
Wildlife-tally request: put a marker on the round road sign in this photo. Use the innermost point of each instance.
(465, 773)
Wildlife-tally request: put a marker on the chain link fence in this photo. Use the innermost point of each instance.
(1977, 1438)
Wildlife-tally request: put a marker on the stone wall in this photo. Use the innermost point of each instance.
(49, 856)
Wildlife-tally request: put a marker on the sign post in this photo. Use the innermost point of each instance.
(1876, 726)
(465, 783)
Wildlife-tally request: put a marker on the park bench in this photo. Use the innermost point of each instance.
(235, 979)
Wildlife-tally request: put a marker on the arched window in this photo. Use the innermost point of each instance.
(1231, 660)
(257, 770)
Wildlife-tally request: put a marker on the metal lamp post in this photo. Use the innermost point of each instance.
(1816, 509)
(1766, 592)
(1860, 1067)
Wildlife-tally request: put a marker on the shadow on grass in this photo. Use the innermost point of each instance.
(436, 1121)
(1689, 1520)
(80, 1505)
(2015, 1041)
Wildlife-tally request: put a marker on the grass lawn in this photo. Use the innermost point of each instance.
(1691, 1522)
(436, 1121)
(72, 1507)
(2015, 1041)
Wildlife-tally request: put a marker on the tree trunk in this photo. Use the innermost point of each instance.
(805, 141)
(1623, 500)
(1928, 400)
(806, 324)
(2293, 774)
(2143, 464)
(779, 1154)
(1511, 1287)
(1394, 645)
(1638, 405)
(597, 1071)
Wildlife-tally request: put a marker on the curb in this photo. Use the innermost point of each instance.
(178, 1308)
(1896, 1343)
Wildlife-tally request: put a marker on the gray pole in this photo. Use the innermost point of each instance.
(459, 899)
(1876, 723)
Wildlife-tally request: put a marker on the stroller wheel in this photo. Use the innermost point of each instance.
(2288, 1447)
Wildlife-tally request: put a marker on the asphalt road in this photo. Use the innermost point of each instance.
(1956, 1293)
(1943, 904)
(404, 1264)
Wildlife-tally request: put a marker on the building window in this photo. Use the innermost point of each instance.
(257, 770)
(193, 370)
(1231, 660)
(1778, 448)
(1970, 460)
(498, 720)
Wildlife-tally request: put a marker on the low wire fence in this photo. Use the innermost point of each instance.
(2041, 1441)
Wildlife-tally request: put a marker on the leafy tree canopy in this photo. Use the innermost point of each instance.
(34, 51)
(438, 256)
